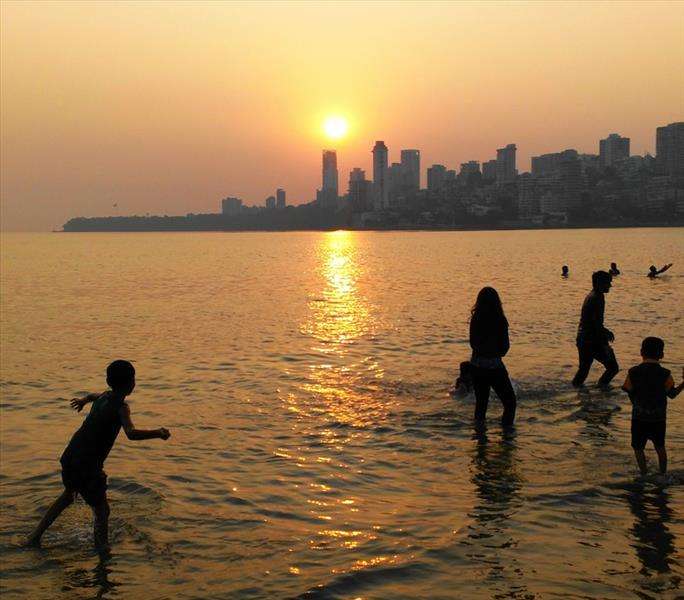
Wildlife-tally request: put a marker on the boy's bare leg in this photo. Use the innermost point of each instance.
(64, 500)
(662, 459)
(101, 524)
(641, 460)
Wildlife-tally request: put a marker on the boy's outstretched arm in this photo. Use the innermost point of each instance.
(139, 434)
(78, 403)
(672, 389)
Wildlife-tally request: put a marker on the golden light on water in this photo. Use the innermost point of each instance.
(335, 127)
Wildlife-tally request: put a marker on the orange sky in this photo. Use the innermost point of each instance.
(167, 107)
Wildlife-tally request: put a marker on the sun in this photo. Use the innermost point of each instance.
(335, 127)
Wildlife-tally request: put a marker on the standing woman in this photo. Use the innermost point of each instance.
(489, 341)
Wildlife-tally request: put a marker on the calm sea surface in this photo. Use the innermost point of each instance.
(315, 451)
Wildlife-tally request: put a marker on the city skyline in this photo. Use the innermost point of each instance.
(104, 111)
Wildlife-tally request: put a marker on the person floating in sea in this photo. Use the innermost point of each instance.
(490, 342)
(614, 269)
(565, 271)
(593, 339)
(649, 386)
(84, 457)
(653, 272)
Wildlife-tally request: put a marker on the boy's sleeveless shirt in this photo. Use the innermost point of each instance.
(94, 439)
(648, 395)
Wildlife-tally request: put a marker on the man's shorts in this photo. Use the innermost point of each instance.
(90, 483)
(642, 431)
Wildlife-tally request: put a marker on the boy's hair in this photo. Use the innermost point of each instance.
(119, 374)
(599, 277)
(653, 347)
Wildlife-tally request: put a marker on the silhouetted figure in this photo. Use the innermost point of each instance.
(593, 339)
(649, 386)
(464, 382)
(565, 271)
(84, 457)
(653, 272)
(614, 270)
(490, 342)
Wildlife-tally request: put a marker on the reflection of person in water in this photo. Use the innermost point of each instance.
(489, 341)
(593, 339)
(655, 543)
(565, 271)
(614, 270)
(653, 272)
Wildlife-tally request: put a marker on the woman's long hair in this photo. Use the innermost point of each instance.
(487, 307)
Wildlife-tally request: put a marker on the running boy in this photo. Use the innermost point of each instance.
(84, 457)
(648, 386)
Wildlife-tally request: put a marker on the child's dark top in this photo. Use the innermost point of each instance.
(90, 445)
(648, 385)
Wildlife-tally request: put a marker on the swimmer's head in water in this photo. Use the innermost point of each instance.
(653, 347)
(488, 305)
(121, 376)
(601, 281)
(613, 266)
(652, 269)
(565, 269)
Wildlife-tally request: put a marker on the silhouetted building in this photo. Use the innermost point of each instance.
(505, 164)
(612, 149)
(410, 168)
(394, 184)
(670, 150)
(330, 183)
(489, 170)
(528, 200)
(270, 202)
(231, 206)
(550, 163)
(360, 191)
(380, 189)
(280, 198)
(472, 167)
(435, 177)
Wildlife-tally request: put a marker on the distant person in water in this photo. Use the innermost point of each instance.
(593, 339)
(84, 457)
(649, 386)
(653, 272)
(614, 269)
(565, 271)
(490, 343)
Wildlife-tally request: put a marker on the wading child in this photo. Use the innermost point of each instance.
(649, 386)
(84, 457)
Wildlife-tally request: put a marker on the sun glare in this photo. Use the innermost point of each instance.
(335, 127)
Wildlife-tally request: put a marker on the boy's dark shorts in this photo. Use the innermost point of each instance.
(90, 483)
(642, 431)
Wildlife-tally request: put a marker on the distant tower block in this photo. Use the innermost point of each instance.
(280, 198)
(505, 164)
(380, 187)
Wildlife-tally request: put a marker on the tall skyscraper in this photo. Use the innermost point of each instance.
(436, 175)
(380, 189)
(330, 184)
(280, 198)
(670, 150)
(360, 191)
(270, 202)
(410, 170)
(612, 149)
(505, 164)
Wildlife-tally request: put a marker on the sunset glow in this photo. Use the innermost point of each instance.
(335, 127)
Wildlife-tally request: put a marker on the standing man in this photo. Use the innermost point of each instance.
(593, 339)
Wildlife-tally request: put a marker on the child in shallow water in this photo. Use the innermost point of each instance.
(649, 385)
(464, 382)
(84, 457)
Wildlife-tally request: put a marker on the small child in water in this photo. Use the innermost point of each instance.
(464, 382)
(649, 385)
(84, 457)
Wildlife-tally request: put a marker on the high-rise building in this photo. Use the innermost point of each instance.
(505, 164)
(231, 206)
(612, 149)
(670, 150)
(489, 170)
(360, 191)
(472, 167)
(380, 190)
(410, 170)
(528, 199)
(270, 202)
(330, 183)
(550, 163)
(280, 198)
(436, 175)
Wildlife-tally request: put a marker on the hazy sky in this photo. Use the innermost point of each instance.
(168, 107)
